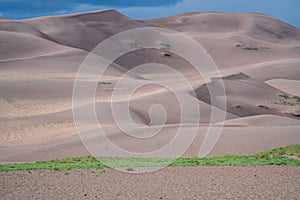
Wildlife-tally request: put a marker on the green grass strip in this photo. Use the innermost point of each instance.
(288, 156)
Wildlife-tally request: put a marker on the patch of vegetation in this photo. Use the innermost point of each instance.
(130, 169)
(296, 98)
(280, 156)
(135, 45)
(251, 48)
(263, 107)
(104, 83)
(57, 164)
(284, 96)
(167, 55)
(164, 46)
(285, 103)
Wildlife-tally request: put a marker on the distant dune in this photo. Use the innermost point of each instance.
(258, 56)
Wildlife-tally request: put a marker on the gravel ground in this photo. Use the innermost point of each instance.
(250, 182)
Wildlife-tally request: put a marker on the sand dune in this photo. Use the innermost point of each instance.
(95, 26)
(288, 86)
(257, 55)
(276, 69)
(235, 140)
(262, 121)
(247, 96)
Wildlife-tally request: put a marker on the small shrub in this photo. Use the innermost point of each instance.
(285, 103)
(184, 20)
(296, 98)
(104, 83)
(129, 169)
(262, 106)
(284, 96)
(251, 48)
(135, 46)
(164, 46)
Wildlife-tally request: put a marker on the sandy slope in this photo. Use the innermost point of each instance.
(288, 86)
(39, 59)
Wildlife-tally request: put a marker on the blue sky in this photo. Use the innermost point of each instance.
(287, 10)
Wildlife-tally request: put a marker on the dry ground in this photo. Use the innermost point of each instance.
(248, 182)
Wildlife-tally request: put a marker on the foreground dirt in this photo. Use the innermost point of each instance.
(250, 182)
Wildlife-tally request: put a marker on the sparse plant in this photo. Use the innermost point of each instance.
(164, 46)
(263, 107)
(104, 83)
(251, 48)
(284, 96)
(135, 46)
(130, 169)
(285, 103)
(265, 48)
(296, 98)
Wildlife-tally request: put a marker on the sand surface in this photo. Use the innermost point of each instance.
(288, 86)
(257, 55)
(251, 182)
